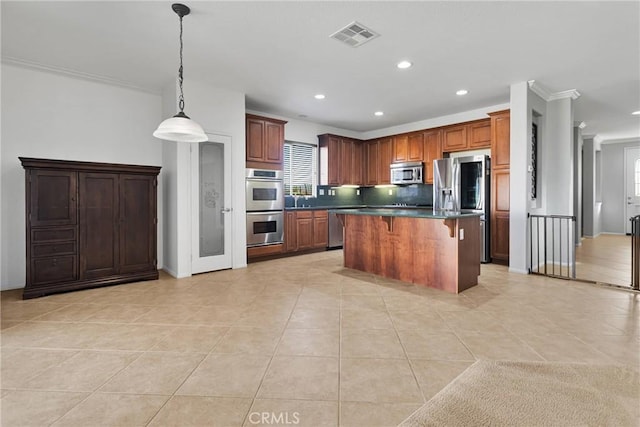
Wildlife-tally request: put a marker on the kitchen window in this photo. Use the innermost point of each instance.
(300, 169)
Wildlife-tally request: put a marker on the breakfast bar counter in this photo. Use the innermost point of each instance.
(435, 249)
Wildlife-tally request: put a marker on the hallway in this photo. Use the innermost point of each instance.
(606, 259)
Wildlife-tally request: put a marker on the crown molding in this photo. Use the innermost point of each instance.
(618, 140)
(76, 74)
(547, 95)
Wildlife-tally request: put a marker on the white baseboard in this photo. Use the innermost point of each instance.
(518, 270)
(173, 273)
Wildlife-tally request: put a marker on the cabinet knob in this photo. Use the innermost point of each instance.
(55, 261)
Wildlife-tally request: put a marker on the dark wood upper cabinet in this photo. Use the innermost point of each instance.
(346, 161)
(432, 151)
(371, 162)
(500, 139)
(255, 140)
(400, 148)
(341, 160)
(454, 138)
(415, 147)
(265, 142)
(357, 164)
(407, 147)
(330, 155)
(467, 136)
(384, 160)
(274, 142)
(96, 227)
(479, 134)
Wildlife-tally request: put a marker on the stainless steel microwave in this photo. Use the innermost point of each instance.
(407, 173)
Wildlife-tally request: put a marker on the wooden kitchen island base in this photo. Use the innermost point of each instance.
(425, 249)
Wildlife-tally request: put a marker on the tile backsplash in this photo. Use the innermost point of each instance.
(415, 194)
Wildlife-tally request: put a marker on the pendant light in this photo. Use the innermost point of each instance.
(180, 127)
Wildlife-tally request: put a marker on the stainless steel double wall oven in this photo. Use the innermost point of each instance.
(265, 207)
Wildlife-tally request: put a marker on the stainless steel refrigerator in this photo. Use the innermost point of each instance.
(462, 184)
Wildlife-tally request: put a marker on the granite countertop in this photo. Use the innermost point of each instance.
(402, 212)
(315, 208)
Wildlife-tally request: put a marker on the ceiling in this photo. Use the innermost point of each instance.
(280, 55)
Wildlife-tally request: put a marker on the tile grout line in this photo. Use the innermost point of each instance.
(404, 350)
(91, 393)
(341, 308)
(275, 350)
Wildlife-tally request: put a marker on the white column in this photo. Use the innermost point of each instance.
(518, 177)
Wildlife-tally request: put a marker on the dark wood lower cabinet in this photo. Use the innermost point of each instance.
(500, 209)
(88, 224)
(306, 230)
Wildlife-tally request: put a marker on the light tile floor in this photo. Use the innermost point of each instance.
(606, 258)
(297, 341)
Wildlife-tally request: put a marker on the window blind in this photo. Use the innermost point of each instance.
(300, 169)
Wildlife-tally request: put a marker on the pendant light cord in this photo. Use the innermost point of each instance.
(180, 78)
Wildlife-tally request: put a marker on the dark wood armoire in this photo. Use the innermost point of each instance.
(88, 224)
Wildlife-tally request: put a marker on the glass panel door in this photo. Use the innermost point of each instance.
(211, 239)
(471, 186)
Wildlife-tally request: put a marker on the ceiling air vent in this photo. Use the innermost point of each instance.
(354, 34)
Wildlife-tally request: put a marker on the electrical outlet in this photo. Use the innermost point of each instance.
(391, 192)
(462, 234)
(357, 192)
(321, 192)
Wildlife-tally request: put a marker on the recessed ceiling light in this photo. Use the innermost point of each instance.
(404, 64)
(462, 92)
(379, 113)
(319, 96)
(636, 113)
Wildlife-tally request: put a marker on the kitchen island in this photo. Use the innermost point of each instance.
(439, 250)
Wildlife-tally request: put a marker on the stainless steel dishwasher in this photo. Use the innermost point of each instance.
(336, 231)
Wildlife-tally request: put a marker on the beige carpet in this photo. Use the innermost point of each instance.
(505, 393)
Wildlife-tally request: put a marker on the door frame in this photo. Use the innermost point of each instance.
(625, 207)
(216, 262)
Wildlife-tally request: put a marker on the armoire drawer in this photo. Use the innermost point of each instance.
(50, 249)
(54, 269)
(53, 234)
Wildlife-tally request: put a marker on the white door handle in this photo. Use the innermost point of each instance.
(225, 210)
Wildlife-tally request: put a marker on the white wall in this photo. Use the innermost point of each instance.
(613, 197)
(520, 135)
(578, 145)
(218, 111)
(307, 132)
(591, 206)
(48, 115)
(555, 165)
(464, 116)
(558, 157)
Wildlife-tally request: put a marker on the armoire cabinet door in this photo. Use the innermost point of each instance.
(53, 197)
(99, 246)
(137, 223)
